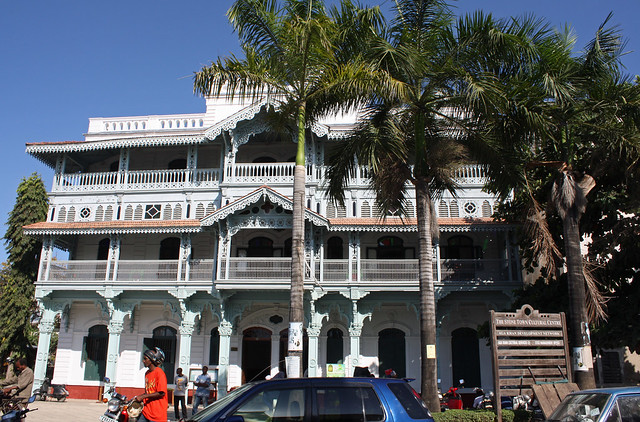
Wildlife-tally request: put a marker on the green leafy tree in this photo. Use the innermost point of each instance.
(306, 61)
(574, 116)
(21, 269)
(451, 76)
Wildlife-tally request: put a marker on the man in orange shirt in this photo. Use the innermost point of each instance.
(155, 388)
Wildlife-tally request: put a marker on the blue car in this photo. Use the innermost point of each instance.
(319, 399)
(599, 405)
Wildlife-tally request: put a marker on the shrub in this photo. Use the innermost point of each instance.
(455, 415)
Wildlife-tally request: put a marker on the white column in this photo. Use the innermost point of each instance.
(113, 348)
(44, 342)
(313, 332)
(275, 354)
(225, 330)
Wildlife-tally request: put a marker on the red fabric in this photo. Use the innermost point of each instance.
(155, 410)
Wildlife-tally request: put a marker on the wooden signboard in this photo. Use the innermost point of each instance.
(528, 348)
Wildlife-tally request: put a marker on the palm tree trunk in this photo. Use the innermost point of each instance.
(579, 323)
(296, 309)
(429, 369)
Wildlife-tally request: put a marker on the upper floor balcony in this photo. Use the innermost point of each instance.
(273, 274)
(238, 173)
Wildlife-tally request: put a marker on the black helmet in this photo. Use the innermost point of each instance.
(155, 355)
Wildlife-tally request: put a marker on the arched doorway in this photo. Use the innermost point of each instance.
(94, 353)
(392, 351)
(164, 337)
(335, 347)
(465, 356)
(256, 353)
(214, 347)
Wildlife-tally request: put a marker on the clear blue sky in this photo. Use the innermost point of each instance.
(66, 61)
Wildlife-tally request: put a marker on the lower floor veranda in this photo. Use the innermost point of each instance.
(242, 336)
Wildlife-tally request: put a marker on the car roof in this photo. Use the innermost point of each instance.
(612, 390)
(331, 381)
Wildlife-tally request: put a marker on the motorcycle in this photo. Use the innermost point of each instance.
(483, 400)
(17, 415)
(56, 391)
(453, 398)
(119, 408)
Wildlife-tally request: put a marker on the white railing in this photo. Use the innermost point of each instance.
(136, 179)
(334, 272)
(77, 270)
(141, 270)
(256, 268)
(261, 172)
(254, 173)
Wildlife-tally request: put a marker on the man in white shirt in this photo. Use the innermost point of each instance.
(179, 394)
(203, 382)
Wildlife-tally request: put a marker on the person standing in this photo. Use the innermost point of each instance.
(179, 399)
(155, 388)
(21, 382)
(203, 382)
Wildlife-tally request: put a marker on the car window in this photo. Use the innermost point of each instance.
(348, 404)
(414, 407)
(274, 404)
(629, 408)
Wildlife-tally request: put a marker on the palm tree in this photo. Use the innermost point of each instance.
(577, 111)
(451, 78)
(306, 60)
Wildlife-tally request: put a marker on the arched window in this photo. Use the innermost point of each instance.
(103, 249)
(460, 247)
(335, 351)
(335, 249)
(94, 353)
(390, 247)
(164, 337)
(170, 248)
(465, 356)
(391, 351)
(214, 347)
(260, 247)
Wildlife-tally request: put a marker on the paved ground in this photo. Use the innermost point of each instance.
(76, 410)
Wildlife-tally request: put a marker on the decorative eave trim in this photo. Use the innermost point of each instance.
(112, 227)
(253, 197)
(80, 146)
(396, 224)
(232, 121)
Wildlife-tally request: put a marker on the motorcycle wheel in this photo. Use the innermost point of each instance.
(63, 398)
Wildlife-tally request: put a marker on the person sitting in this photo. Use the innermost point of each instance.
(20, 383)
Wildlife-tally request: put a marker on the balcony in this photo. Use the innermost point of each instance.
(136, 180)
(270, 273)
(240, 173)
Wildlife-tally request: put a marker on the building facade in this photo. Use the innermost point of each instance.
(178, 234)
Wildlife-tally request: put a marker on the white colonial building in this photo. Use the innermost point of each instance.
(178, 232)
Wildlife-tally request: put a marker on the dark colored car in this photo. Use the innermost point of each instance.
(319, 400)
(599, 405)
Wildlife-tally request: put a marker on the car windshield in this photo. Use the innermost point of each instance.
(217, 405)
(586, 407)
